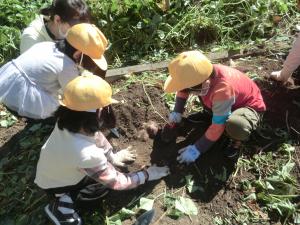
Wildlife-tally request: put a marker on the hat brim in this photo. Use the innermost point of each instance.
(171, 85)
(101, 63)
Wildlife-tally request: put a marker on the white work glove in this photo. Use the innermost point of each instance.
(188, 154)
(157, 172)
(175, 117)
(276, 75)
(125, 155)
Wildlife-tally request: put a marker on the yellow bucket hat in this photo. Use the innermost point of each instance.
(87, 92)
(188, 69)
(88, 39)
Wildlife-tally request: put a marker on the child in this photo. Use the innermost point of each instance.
(77, 161)
(235, 101)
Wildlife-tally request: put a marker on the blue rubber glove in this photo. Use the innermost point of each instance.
(188, 154)
(175, 117)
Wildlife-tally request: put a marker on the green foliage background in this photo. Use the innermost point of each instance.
(141, 29)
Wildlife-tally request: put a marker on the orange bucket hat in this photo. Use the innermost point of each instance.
(88, 39)
(188, 69)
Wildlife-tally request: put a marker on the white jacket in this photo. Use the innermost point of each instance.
(36, 32)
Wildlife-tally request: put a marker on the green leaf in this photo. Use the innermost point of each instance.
(146, 204)
(190, 184)
(35, 127)
(3, 113)
(252, 196)
(4, 123)
(169, 201)
(22, 220)
(175, 214)
(222, 176)
(14, 118)
(186, 206)
(296, 218)
(110, 221)
(125, 213)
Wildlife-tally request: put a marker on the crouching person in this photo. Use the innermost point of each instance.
(234, 99)
(77, 162)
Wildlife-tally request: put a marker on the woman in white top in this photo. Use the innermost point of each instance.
(291, 63)
(77, 163)
(30, 84)
(54, 22)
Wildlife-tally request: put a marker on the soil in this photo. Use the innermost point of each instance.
(219, 196)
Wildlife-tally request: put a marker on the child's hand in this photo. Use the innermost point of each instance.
(124, 155)
(276, 75)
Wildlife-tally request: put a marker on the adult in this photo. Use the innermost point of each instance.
(54, 22)
(30, 84)
(234, 99)
(291, 63)
(77, 162)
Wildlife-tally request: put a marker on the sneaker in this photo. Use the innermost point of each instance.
(58, 217)
(232, 151)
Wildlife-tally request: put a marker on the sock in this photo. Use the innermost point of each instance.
(64, 210)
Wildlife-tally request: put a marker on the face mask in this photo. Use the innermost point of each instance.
(204, 89)
(61, 34)
(201, 91)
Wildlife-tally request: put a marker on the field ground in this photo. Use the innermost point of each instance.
(221, 196)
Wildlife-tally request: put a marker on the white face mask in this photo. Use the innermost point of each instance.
(201, 91)
(61, 34)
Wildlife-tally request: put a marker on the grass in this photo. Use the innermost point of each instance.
(15, 15)
(143, 31)
(274, 187)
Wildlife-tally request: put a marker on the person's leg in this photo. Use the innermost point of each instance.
(61, 210)
(63, 201)
(239, 127)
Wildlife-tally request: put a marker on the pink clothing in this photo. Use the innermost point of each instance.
(292, 61)
(229, 90)
(230, 83)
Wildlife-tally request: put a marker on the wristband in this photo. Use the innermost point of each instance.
(142, 177)
(146, 175)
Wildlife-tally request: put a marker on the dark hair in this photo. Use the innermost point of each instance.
(66, 48)
(67, 10)
(73, 121)
(88, 64)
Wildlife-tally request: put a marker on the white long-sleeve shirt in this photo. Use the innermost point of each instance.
(36, 32)
(292, 61)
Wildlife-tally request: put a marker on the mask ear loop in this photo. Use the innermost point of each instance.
(81, 58)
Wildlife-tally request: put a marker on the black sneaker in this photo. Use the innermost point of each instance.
(232, 151)
(59, 218)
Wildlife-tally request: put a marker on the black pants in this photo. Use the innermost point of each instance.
(86, 194)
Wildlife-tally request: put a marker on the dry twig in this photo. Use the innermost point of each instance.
(293, 129)
(161, 217)
(286, 120)
(154, 109)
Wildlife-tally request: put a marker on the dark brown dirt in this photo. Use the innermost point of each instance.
(219, 196)
(7, 133)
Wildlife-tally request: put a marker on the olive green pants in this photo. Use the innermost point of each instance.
(242, 122)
